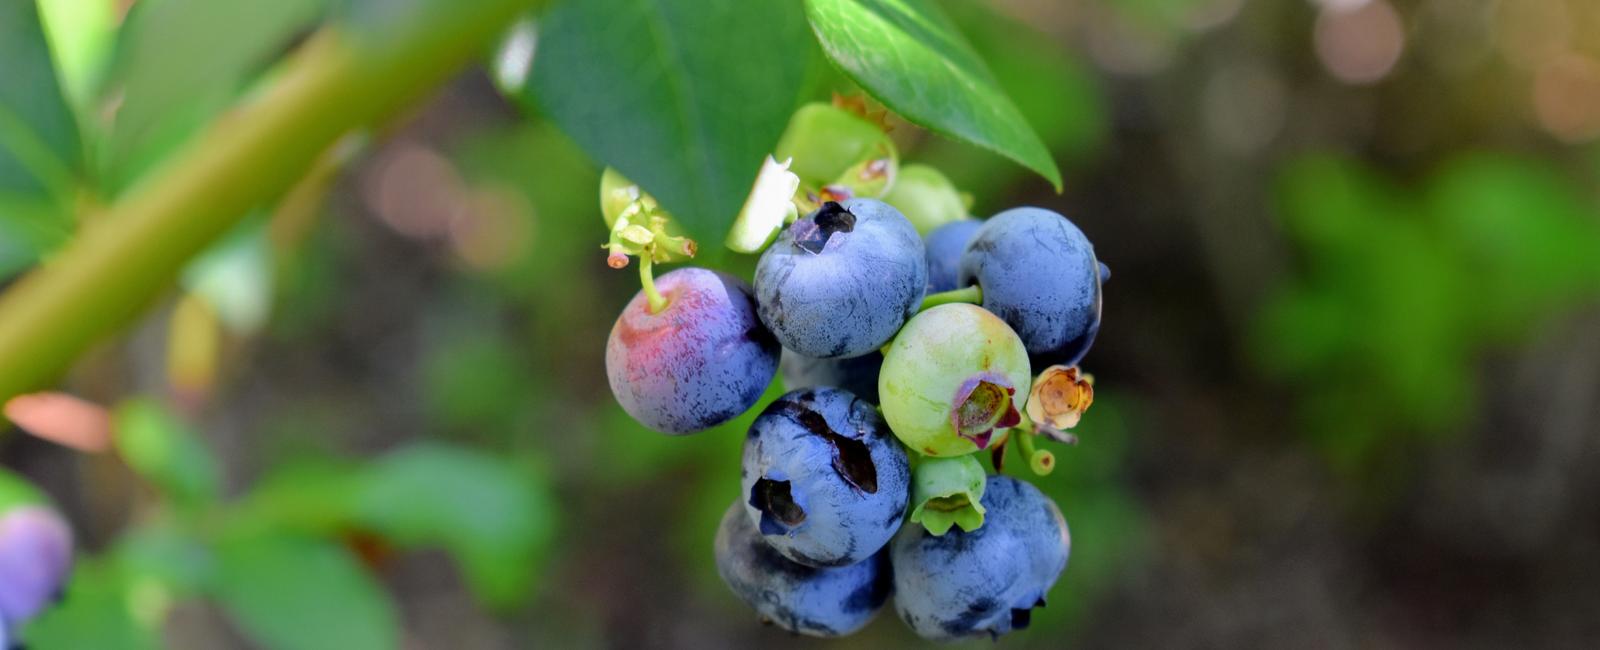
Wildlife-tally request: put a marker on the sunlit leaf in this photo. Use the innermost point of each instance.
(81, 34)
(910, 56)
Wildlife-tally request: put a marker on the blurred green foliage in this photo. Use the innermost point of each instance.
(167, 453)
(1402, 288)
(261, 582)
(180, 62)
(295, 548)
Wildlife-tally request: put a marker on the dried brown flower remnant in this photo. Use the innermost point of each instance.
(1061, 394)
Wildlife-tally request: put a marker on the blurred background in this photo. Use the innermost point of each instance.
(1348, 379)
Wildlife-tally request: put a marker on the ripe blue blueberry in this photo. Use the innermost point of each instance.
(944, 248)
(798, 598)
(1021, 507)
(987, 581)
(841, 281)
(35, 558)
(704, 359)
(859, 375)
(1038, 274)
(823, 478)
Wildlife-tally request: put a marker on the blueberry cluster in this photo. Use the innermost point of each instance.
(904, 357)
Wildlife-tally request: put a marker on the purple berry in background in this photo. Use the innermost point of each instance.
(797, 598)
(824, 480)
(858, 375)
(1038, 274)
(944, 248)
(703, 360)
(35, 559)
(985, 582)
(840, 281)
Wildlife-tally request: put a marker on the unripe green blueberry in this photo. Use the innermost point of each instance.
(952, 379)
(926, 197)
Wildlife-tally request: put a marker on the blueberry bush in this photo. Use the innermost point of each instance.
(310, 336)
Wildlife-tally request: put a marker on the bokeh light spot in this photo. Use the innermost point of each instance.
(1566, 97)
(1360, 45)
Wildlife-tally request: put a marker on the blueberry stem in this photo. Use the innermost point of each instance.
(1026, 448)
(971, 295)
(647, 279)
(1041, 461)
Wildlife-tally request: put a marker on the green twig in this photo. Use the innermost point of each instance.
(972, 295)
(647, 279)
(336, 83)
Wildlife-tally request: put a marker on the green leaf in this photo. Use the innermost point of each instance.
(292, 593)
(97, 611)
(40, 157)
(1529, 237)
(162, 551)
(495, 516)
(492, 514)
(166, 452)
(685, 97)
(183, 61)
(909, 56)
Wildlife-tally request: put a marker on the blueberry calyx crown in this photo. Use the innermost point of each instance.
(812, 233)
(983, 404)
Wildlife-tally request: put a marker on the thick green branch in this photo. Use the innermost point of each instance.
(121, 261)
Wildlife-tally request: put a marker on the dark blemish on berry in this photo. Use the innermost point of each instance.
(779, 512)
(834, 218)
(780, 406)
(814, 422)
(812, 233)
(853, 461)
(851, 458)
